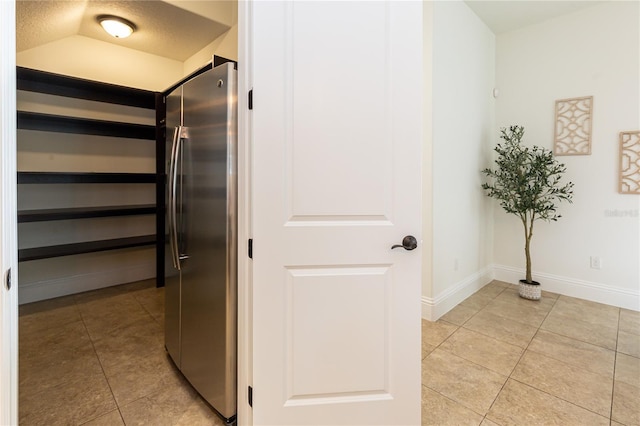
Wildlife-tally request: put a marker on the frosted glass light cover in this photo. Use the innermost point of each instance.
(116, 28)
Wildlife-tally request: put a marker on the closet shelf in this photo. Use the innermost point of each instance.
(76, 177)
(37, 253)
(31, 80)
(41, 215)
(41, 82)
(84, 126)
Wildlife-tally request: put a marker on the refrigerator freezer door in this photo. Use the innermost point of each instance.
(208, 286)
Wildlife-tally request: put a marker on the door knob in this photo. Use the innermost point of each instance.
(408, 243)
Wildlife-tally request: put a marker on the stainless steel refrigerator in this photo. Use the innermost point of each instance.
(201, 289)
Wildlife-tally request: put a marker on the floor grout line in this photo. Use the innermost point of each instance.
(104, 373)
(542, 390)
(527, 349)
(615, 362)
(453, 400)
(560, 398)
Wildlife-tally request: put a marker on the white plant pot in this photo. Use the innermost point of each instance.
(531, 291)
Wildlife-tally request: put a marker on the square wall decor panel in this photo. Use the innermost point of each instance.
(573, 126)
(630, 162)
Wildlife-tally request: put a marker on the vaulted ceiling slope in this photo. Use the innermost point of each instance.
(174, 29)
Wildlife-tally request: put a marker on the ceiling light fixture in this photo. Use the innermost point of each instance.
(115, 26)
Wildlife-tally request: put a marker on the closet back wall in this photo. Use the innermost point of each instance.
(67, 152)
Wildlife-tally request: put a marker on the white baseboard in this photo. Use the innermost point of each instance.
(567, 286)
(434, 308)
(41, 290)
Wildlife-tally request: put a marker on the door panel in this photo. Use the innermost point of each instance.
(343, 354)
(336, 182)
(345, 76)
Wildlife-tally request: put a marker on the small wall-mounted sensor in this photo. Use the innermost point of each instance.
(496, 93)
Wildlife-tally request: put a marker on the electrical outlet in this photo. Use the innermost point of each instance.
(596, 262)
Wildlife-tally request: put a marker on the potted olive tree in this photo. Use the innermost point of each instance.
(526, 182)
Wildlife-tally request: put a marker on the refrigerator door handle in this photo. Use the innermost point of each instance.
(173, 205)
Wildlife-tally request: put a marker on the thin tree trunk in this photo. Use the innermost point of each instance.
(527, 254)
(528, 231)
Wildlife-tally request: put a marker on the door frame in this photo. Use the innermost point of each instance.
(245, 267)
(8, 225)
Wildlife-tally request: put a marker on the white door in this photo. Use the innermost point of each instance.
(8, 244)
(337, 133)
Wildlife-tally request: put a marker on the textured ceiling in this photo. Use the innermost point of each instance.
(162, 28)
(503, 16)
(177, 29)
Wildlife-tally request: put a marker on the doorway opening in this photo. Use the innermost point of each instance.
(129, 301)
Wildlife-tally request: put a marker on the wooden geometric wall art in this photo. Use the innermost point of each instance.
(630, 162)
(573, 126)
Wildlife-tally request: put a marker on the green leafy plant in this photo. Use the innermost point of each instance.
(526, 182)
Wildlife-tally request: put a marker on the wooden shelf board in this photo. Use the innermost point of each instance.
(31, 80)
(84, 126)
(42, 215)
(78, 177)
(37, 253)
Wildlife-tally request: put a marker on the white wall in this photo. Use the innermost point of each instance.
(84, 57)
(223, 11)
(593, 52)
(463, 129)
(427, 155)
(226, 46)
(229, 46)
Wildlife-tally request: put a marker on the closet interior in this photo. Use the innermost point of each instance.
(90, 181)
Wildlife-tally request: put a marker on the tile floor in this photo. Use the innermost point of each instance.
(97, 358)
(497, 359)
